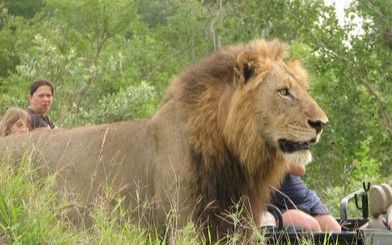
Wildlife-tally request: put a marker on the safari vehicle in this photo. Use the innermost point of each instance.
(354, 230)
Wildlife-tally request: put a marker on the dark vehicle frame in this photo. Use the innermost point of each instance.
(354, 230)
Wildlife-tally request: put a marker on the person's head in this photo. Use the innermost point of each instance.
(15, 120)
(41, 96)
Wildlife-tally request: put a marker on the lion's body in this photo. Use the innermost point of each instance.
(87, 157)
(213, 143)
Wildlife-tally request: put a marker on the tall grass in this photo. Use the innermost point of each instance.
(31, 212)
(28, 208)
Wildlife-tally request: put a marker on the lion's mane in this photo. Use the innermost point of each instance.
(230, 161)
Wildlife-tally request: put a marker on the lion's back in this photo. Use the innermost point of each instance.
(90, 158)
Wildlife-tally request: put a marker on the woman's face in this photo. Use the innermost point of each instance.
(19, 127)
(41, 100)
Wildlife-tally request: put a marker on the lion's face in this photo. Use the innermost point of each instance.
(290, 119)
(271, 110)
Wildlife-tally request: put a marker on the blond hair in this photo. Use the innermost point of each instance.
(11, 116)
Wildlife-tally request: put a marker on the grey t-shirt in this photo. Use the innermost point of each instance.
(293, 193)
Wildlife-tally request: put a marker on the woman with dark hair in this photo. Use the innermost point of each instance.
(41, 99)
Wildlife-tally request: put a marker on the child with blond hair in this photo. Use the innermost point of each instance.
(15, 120)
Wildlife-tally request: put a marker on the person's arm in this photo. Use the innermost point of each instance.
(298, 170)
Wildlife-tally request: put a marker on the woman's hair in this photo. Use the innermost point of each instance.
(11, 116)
(41, 82)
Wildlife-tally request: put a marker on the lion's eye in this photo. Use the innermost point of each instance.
(284, 92)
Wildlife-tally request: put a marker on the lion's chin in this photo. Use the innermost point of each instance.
(302, 157)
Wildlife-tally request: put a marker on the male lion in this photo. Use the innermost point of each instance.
(221, 140)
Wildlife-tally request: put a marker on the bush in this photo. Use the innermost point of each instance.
(133, 102)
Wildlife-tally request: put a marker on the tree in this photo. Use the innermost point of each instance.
(23, 8)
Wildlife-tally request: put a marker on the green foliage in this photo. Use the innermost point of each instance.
(364, 167)
(25, 8)
(26, 210)
(133, 102)
(30, 213)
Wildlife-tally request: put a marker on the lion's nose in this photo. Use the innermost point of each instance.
(318, 125)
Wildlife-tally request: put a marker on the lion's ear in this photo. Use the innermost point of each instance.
(249, 70)
(244, 68)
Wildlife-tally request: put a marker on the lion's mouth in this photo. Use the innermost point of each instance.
(291, 146)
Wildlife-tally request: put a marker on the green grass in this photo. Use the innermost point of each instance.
(28, 208)
(32, 213)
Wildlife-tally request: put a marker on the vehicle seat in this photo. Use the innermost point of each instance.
(380, 200)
